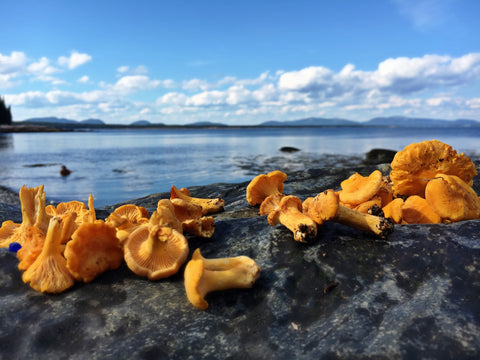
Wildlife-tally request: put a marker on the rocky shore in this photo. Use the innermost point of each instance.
(348, 295)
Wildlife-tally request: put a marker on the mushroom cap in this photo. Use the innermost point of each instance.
(270, 204)
(29, 203)
(324, 206)
(393, 210)
(203, 226)
(155, 252)
(452, 199)
(32, 245)
(185, 210)
(70, 206)
(64, 209)
(127, 216)
(358, 189)
(365, 207)
(415, 210)
(418, 162)
(94, 249)
(193, 275)
(264, 185)
(6, 232)
(287, 202)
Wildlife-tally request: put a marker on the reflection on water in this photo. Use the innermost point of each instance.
(118, 165)
(6, 141)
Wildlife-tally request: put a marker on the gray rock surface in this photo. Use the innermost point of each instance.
(348, 295)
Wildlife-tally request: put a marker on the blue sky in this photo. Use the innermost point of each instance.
(242, 62)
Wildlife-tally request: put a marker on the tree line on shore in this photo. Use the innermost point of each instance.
(5, 113)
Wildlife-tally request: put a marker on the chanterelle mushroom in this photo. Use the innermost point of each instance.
(6, 232)
(94, 249)
(415, 210)
(49, 272)
(326, 207)
(393, 210)
(165, 216)
(155, 252)
(358, 189)
(203, 276)
(287, 210)
(193, 222)
(418, 162)
(264, 185)
(35, 221)
(452, 199)
(208, 205)
(34, 217)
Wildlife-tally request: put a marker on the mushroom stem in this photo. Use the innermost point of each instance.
(49, 272)
(203, 276)
(370, 223)
(287, 210)
(303, 227)
(153, 241)
(53, 238)
(240, 277)
(326, 207)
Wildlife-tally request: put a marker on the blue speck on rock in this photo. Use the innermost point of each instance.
(14, 246)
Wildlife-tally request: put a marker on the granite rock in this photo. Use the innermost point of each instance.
(348, 295)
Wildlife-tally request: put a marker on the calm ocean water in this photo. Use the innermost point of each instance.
(119, 165)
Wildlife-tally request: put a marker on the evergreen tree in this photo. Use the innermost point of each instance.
(5, 113)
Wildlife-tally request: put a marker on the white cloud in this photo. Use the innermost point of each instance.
(75, 59)
(11, 67)
(139, 70)
(84, 79)
(399, 76)
(207, 98)
(123, 69)
(134, 83)
(422, 85)
(313, 78)
(473, 103)
(42, 66)
(173, 98)
(6, 81)
(437, 101)
(12, 63)
(196, 84)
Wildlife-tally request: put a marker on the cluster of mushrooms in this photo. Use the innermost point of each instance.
(58, 245)
(429, 182)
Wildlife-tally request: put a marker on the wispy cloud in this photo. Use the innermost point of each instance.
(425, 14)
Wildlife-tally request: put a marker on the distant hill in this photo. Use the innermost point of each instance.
(402, 121)
(313, 121)
(55, 120)
(206, 123)
(142, 123)
(392, 121)
(51, 120)
(92, 122)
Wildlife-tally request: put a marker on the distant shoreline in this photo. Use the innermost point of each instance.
(56, 127)
(49, 124)
(23, 128)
